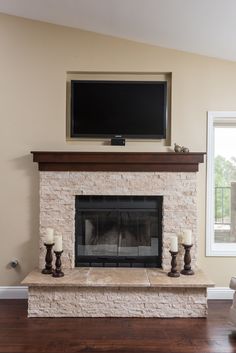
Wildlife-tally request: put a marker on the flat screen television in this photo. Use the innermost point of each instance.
(131, 109)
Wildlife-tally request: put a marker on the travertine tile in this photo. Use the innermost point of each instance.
(117, 277)
(158, 278)
(72, 278)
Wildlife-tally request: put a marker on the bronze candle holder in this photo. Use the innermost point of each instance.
(173, 272)
(58, 272)
(187, 261)
(48, 260)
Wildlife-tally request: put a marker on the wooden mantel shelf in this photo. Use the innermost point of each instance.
(118, 161)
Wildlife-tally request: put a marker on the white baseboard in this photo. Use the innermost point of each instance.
(220, 293)
(13, 292)
(19, 292)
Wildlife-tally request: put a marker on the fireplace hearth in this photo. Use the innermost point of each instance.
(120, 231)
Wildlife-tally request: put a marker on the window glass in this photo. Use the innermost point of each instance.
(224, 183)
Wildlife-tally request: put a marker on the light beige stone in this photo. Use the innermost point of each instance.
(117, 277)
(57, 203)
(159, 278)
(116, 302)
(117, 292)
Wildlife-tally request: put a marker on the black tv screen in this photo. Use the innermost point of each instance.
(132, 109)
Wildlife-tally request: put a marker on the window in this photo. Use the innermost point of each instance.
(221, 184)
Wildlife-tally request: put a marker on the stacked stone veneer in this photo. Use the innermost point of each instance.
(57, 203)
(117, 302)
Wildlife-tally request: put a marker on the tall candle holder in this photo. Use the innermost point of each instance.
(58, 272)
(187, 261)
(48, 270)
(173, 272)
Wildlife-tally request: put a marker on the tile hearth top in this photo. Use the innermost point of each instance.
(117, 277)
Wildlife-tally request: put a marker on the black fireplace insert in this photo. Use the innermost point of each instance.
(121, 231)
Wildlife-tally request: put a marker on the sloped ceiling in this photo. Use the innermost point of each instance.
(205, 27)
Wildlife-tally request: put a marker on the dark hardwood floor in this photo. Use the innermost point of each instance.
(20, 334)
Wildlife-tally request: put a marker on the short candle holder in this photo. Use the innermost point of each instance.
(187, 261)
(173, 272)
(58, 272)
(48, 270)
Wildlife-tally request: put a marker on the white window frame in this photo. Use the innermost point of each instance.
(215, 249)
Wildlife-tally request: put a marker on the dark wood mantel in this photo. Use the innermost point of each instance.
(118, 161)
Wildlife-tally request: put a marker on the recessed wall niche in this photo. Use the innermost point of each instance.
(120, 76)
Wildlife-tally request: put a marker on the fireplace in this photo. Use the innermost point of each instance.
(121, 209)
(68, 176)
(121, 231)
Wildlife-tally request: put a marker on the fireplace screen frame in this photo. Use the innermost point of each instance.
(118, 261)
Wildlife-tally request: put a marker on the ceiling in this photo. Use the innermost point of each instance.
(205, 27)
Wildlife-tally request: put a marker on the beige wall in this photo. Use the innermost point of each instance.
(34, 59)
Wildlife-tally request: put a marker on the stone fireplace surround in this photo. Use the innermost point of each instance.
(57, 203)
(61, 179)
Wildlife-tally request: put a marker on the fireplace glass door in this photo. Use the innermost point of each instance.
(118, 231)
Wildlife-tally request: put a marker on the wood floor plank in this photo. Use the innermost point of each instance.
(19, 334)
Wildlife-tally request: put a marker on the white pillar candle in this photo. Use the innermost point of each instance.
(174, 244)
(187, 236)
(48, 239)
(58, 243)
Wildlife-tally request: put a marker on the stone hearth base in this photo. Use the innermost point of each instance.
(117, 292)
(117, 302)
